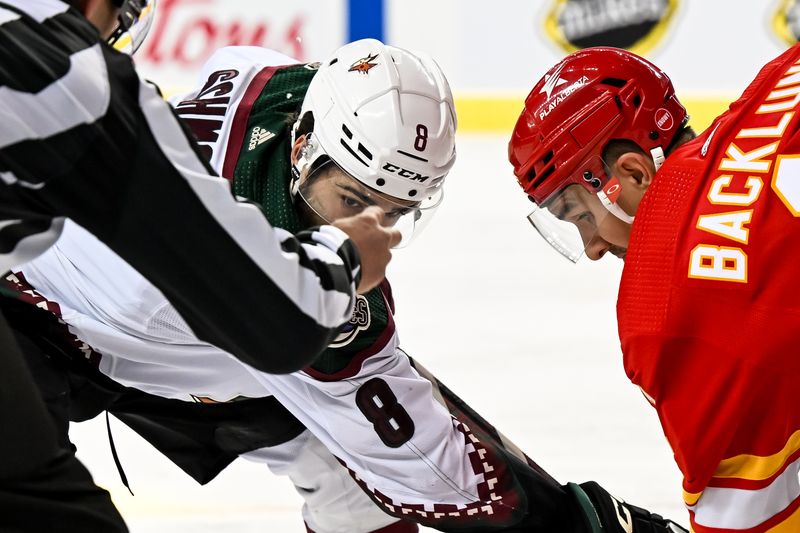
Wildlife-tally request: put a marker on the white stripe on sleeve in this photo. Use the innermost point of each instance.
(31, 246)
(39, 10)
(7, 16)
(730, 508)
(57, 108)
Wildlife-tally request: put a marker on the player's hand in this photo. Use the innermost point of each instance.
(373, 242)
(616, 516)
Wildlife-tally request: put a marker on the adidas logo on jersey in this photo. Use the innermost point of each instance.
(259, 136)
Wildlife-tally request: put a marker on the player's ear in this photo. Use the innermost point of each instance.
(298, 145)
(635, 169)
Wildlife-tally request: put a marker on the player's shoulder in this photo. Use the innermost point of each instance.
(231, 70)
(245, 58)
(370, 332)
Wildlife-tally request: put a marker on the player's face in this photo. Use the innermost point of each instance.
(332, 194)
(600, 231)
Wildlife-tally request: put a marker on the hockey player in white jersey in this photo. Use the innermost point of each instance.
(82, 137)
(373, 126)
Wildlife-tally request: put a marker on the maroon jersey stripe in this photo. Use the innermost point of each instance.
(241, 118)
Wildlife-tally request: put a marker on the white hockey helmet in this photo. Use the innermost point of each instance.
(386, 117)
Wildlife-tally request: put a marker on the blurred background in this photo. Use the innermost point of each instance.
(492, 52)
(528, 339)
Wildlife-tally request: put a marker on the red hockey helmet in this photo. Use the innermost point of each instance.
(589, 98)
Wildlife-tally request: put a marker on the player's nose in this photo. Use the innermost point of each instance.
(597, 248)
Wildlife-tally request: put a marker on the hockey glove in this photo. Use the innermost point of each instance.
(603, 513)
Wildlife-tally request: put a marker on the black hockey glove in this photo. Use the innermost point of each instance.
(603, 513)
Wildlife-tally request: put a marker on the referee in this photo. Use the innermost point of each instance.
(82, 137)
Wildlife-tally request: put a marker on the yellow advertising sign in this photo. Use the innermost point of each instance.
(636, 25)
(786, 21)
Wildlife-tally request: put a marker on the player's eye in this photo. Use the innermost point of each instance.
(352, 203)
(582, 217)
(397, 213)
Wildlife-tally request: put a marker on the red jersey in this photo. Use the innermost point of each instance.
(709, 308)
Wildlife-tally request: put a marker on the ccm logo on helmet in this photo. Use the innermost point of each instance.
(405, 173)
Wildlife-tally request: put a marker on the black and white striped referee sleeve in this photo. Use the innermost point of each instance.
(82, 137)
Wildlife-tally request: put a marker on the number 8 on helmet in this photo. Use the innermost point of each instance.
(386, 118)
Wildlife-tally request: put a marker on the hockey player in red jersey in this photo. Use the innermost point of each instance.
(707, 311)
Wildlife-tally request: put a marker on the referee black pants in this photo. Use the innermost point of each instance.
(43, 487)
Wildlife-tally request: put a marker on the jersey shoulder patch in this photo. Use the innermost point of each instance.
(369, 329)
(359, 321)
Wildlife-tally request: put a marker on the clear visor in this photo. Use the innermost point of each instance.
(575, 221)
(133, 24)
(331, 193)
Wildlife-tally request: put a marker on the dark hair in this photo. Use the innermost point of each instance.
(616, 147)
(306, 123)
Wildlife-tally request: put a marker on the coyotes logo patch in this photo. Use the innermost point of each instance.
(360, 321)
(636, 25)
(364, 65)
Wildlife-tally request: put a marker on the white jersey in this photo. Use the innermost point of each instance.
(378, 416)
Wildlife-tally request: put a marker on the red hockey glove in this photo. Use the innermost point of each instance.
(604, 513)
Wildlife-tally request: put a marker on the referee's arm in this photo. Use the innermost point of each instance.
(81, 137)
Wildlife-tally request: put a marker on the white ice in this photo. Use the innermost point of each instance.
(527, 338)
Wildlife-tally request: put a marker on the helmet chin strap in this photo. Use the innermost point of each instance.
(294, 183)
(657, 154)
(613, 208)
(304, 160)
